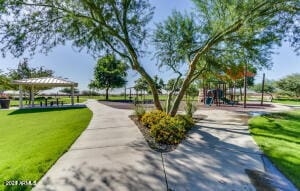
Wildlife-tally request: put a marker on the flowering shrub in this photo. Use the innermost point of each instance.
(186, 121)
(153, 117)
(169, 130)
(166, 129)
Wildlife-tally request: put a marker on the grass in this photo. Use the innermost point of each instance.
(65, 99)
(31, 140)
(122, 97)
(287, 101)
(278, 135)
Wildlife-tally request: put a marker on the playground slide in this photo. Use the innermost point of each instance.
(209, 101)
(227, 101)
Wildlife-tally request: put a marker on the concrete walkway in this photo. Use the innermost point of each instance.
(215, 155)
(111, 154)
(220, 154)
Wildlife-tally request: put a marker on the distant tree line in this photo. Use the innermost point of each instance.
(289, 86)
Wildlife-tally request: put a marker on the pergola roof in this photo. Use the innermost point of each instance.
(46, 81)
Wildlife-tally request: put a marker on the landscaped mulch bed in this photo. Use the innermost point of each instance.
(150, 140)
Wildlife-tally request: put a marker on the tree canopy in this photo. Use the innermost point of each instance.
(69, 90)
(109, 73)
(224, 32)
(142, 85)
(24, 71)
(171, 84)
(290, 83)
(4, 82)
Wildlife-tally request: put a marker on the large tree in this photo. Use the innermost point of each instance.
(244, 28)
(142, 85)
(24, 71)
(109, 73)
(69, 90)
(224, 32)
(290, 83)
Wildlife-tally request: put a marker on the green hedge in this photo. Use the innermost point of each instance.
(166, 129)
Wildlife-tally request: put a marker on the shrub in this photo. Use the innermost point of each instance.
(152, 118)
(190, 108)
(169, 130)
(186, 121)
(139, 111)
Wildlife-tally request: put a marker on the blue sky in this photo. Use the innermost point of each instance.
(67, 62)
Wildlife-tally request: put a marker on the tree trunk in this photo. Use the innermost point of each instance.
(183, 89)
(137, 67)
(106, 94)
(191, 71)
(170, 95)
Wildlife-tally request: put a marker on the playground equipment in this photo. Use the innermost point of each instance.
(213, 96)
(217, 95)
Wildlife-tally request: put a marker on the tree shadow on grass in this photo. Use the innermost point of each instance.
(275, 130)
(283, 116)
(273, 136)
(42, 110)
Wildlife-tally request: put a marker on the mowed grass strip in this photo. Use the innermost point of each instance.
(278, 135)
(31, 140)
(287, 101)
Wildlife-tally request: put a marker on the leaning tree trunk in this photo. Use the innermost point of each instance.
(170, 95)
(153, 88)
(137, 67)
(183, 89)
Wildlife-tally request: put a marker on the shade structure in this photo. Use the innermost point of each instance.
(43, 82)
(46, 81)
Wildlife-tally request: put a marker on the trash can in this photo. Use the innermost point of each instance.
(4, 103)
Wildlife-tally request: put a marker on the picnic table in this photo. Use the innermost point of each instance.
(56, 102)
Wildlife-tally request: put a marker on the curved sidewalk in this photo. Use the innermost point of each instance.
(111, 154)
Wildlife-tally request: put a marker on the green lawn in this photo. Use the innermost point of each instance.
(65, 99)
(278, 135)
(31, 140)
(287, 101)
(122, 97)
